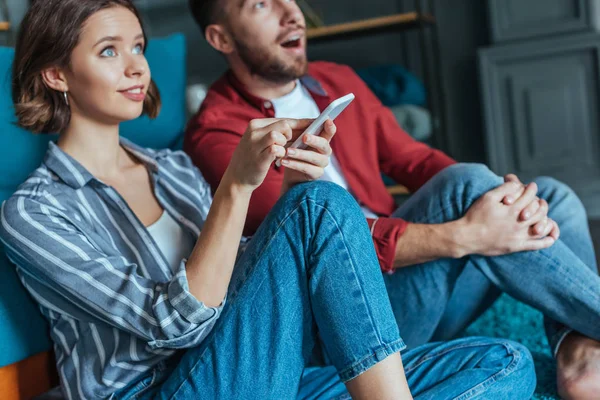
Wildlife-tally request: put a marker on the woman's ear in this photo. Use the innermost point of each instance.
(55, 79)
(219, 38)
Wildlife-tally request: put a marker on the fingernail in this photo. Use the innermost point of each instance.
(285, 162)
(291, 152)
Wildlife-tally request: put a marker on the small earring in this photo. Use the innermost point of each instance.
(66, 98)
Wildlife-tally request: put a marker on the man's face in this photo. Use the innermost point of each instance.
(269, 37)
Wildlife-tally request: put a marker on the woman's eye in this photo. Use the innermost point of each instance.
(260, 5)
(108, 52)
(138, 49)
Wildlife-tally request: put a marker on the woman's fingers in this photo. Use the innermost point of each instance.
(270, 154)
(309, 156)
(312, 172)
(318, 143)
(329, 130)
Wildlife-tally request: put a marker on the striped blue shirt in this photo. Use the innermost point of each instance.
(115, 306)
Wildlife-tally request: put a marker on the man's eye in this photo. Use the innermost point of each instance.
(260, 5)
(108, 52)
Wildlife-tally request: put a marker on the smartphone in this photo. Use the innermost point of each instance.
(331, 112)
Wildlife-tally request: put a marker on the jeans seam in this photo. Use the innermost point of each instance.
(388, 348)
(345, 396)
(444, 352)
(146, 388)
(509, 369)
(353, 264)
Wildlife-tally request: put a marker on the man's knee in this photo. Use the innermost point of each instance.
(554, 191)
(554, 187)
(464, 183)
(468, 174)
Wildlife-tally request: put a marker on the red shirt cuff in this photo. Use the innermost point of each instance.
(386, 232)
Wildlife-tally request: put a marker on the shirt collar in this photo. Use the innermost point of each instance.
(76, 175)
(312, 84)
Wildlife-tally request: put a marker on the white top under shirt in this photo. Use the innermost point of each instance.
(171, 239)
(300, 104)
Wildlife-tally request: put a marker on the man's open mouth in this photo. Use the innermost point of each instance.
(292, 42)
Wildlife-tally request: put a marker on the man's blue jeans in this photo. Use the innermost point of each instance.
(437, 300)
(311, 272)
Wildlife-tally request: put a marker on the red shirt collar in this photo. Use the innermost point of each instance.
(264, 105)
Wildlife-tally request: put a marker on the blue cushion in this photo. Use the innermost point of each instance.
(23, 331)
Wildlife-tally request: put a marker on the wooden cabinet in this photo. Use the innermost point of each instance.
(527, 19)
(541, 96)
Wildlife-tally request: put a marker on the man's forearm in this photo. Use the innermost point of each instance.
(421, 243)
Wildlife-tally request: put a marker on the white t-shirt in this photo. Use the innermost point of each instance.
(171, 239)
(300, 104)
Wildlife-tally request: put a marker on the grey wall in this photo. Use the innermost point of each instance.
(462, 27)
(16, 11)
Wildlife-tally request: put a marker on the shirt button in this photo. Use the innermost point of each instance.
(268, 104)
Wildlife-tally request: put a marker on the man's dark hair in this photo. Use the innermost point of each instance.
(206, 12)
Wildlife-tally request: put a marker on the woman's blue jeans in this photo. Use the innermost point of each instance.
(310, 275)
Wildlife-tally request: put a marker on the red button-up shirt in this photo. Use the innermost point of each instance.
(368, 141)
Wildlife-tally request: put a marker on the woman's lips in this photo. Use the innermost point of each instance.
(136, 94)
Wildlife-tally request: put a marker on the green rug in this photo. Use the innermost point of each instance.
(513, 320)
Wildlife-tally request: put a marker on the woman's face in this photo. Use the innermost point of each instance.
(108, 77)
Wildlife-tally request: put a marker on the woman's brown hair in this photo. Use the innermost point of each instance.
(47, 36)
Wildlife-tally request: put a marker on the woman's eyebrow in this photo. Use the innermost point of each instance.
(115, 39)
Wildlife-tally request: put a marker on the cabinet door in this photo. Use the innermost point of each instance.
(541, 102)
(517, 19)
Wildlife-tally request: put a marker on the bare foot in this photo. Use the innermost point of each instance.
(578, 368)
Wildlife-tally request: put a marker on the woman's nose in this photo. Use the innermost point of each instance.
(136, 66)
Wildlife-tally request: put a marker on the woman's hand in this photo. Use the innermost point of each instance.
(309, 164)
(263, 142)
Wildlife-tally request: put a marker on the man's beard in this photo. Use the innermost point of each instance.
(268, 67)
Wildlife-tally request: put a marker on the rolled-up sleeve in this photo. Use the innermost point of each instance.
(185, 303)
(91, 285)
(385, 233)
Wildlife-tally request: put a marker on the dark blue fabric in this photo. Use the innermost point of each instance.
(394, 85)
